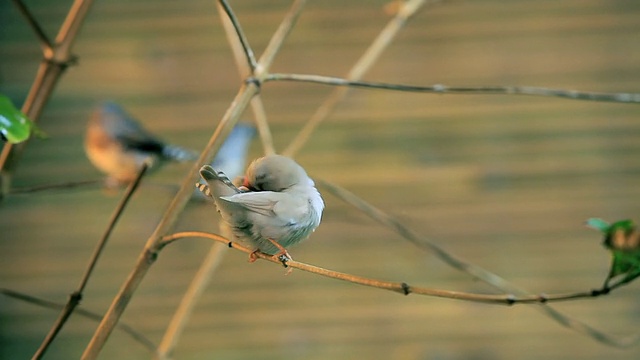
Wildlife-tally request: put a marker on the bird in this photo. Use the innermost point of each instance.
(118, 145)
(276, 206)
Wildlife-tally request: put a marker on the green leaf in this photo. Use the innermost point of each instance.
(15, 127)
(598, 224)
(622, 238)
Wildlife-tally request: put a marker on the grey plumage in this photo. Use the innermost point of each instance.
(277, 201)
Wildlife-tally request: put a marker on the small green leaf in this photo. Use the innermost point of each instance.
(622, 238)
(598, 224)
(15, 127)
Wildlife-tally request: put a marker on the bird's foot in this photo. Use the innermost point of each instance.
(284, 257)
(254, 256)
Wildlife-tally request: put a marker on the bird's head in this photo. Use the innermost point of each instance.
(275, 173)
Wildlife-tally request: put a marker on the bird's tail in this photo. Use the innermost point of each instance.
(217, 183)
(178, 153)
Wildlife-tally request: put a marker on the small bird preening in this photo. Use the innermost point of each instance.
(276, 206)
(118, 145)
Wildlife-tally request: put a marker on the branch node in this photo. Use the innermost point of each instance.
(75, 298)
(51, 58)
(543, 298)
(253, 80)
(598, 292)
(150, 256)
(406, 289)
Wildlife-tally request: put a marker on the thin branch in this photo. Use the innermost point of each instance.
(135, 335)
(245, 72)
(187, 304)
(473, 270)
(244, 42)
(278, 38)
(264, 131)
(468, 90)
(398, 287)
(45, 43)
(361, 67)
(131, 189)
(66, 185)
(76, 296)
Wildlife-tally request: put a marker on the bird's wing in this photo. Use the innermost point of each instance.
(283, 206)
(124, 128)
(141, 143)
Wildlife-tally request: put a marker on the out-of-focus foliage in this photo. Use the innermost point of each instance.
(15, 126)
(623, 240)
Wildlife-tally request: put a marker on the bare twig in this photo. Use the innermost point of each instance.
(66, 185)
(468, 90)
(189, 299)
(140, 338)
(366, 61)
(399, 287)
(55, 60)
(244, 42)
(245, 72)
(76, 296)
(45, 43)
(278, 38)
(476, 271)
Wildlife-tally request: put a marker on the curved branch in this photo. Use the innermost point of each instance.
(244, 42)
(399, 287)
(474, 270)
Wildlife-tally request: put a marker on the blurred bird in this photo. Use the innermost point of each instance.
(118, 145)
(276, 206)
(231, 158)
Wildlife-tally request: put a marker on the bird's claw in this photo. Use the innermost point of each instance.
(284, 257)
(254, 256)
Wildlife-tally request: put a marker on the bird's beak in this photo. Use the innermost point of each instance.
(245, 182)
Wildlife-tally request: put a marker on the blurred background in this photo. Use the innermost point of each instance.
(505, 182)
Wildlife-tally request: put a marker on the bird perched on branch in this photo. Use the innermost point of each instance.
(276, 206)
(118, 145)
